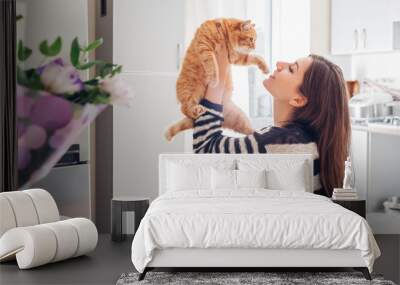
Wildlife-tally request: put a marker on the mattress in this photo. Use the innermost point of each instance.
(250, 218)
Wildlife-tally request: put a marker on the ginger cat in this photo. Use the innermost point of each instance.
(200, 69)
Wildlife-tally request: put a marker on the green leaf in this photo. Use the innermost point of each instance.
(21, 76)
(109, 69)
(91, 95)
(93, 45)
(29, 78)
(52, 50)
(76, 96)
(105, 69)
(89, 64)
(100, 97)
(101, 100)
(92, 82)
(23, 52)
(75, 52)
(117, 70)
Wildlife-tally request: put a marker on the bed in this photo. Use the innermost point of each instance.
(246, 211)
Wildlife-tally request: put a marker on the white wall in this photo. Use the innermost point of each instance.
(376, 65)
(146, 37)
(320, 26)
(138, 135)
(290, 29)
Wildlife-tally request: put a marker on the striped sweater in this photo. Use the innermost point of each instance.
(293, 138)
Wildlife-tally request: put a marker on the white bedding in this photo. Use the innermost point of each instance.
(250, 218)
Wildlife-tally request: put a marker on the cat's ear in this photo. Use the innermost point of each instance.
(246, 25)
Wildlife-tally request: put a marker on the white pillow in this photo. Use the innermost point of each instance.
(223, 179)
(251, 178)
(188, 177)
(282, 174)
(293, 179)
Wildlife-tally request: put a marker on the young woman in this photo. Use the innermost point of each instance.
(310, 116)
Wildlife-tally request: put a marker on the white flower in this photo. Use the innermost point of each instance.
(60, 78)
(120, 92)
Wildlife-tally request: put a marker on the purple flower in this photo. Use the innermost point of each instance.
(33, 138)
(51, 112)
(24, 103)
(60, 78)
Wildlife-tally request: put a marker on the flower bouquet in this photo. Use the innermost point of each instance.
(54, 104)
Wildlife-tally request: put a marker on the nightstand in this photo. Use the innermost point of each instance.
(139, 205)
(357, 206)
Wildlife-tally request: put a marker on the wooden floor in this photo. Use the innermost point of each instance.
(103, 266)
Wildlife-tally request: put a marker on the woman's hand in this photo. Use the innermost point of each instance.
(215, 94)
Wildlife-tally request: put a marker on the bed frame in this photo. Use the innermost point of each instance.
(250, 259)
(242, 259)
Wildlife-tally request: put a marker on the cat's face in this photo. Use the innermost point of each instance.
(244, 37)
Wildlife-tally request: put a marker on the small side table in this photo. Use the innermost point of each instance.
(122, 204)
(357, 206)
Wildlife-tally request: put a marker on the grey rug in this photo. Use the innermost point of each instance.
(269, 278)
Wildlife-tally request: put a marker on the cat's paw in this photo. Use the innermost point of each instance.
(196, 111)
(168, 135)
(262, 65)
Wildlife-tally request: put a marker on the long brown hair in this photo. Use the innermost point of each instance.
(327, 114)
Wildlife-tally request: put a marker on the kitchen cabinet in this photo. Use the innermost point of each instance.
(384, 170)
(359, 26)
(148, 34)
(376, 162)
(344, 26)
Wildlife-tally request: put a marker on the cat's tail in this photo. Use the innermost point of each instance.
(179, 126)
